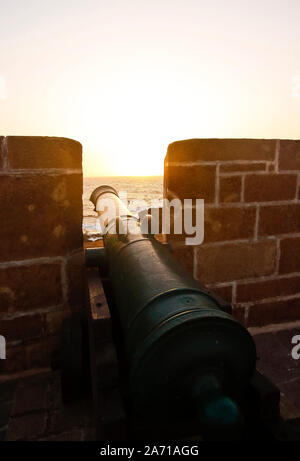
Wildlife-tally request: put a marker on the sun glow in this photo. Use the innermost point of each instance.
(126, 78)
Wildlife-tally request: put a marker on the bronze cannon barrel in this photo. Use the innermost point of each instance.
(182, 347)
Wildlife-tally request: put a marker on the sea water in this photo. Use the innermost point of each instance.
(137, 189)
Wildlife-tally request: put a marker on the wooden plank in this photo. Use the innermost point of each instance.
(109, 411)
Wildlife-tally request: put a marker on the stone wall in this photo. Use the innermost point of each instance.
(251, 249)
(41, 256)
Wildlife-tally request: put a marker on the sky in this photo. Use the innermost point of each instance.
(128, 77)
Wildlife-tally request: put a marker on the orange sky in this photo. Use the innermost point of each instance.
(126, 78)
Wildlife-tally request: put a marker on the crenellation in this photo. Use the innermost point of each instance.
(257, 175)
(41, 219)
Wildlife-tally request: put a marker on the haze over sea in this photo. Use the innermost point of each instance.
(137, 188)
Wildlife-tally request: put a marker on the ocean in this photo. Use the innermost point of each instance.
(137, 188)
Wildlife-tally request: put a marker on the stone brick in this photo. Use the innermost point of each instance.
(25, 288)
(76, 278)
(253, 291)
(5, 411)
(192, 182)
(23, 328)
(39, 354)
(291, 388)
(238, 312)
(270, 187)
(289, 255)
(36, 354)
(274, 312)
(185, 256)
(26, 427)
(7, 390)
(30, 397)
(279, 219)
(242, 167)
(69, 417)
(192, 150)
(275, 360)
(224, 292)
(289, 155)
(40, 215)
(54, 320)
(15, 359)
(177, 239)
(30, 356)
(1, 152)
(271, 167)
(36, 152)
(217, 260)
(230, 189)
(220, 223)
(54, 394)
(228, 223)
(233, 261)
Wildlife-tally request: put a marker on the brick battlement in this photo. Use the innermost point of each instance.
(251, 248)
(41, 255)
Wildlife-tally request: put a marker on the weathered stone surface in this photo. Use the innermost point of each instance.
(275, 359)
(270, 187)
(253, 291)
(23, 328)
(230, 189)
(228, 223)
(249, 201)
(271, 167)
(221, 224)
(54, 320)
(274, 312)
(192, 150)
(185, 256)
(15, 359)
(289, 155)
(289, 255)
(37, 152)
(30, 355)
(234, 261)
(238, 312)
(242, 167)
(192, 182)
(39, 353)
(76, 279)
(40, 215)
(225, 292)
(1, 152)
(35, 401)
(29, 398)
(41, 218)
(279, 219)
(26, 427)
(25, 288)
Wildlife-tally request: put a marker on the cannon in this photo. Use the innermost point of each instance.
(177, 363)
